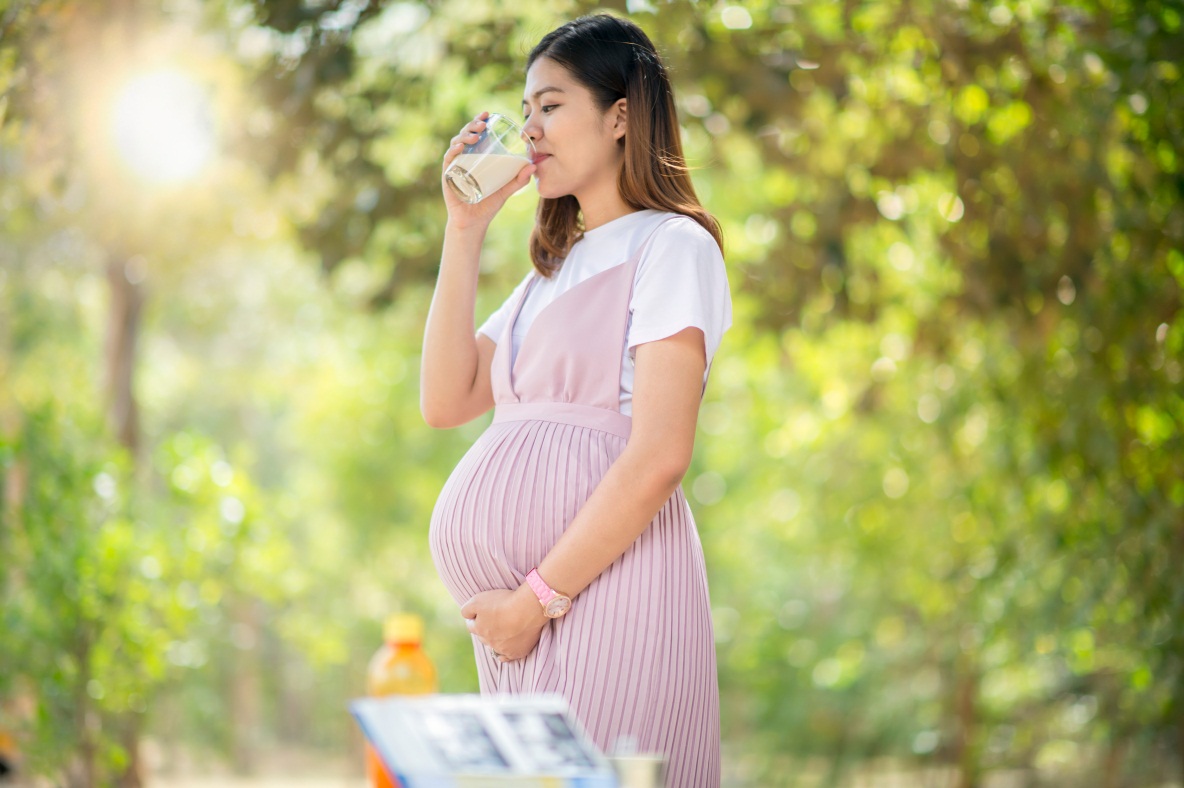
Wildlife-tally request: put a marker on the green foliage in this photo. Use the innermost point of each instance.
(938, 479)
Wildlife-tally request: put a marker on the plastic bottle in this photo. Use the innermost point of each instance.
(400, 667)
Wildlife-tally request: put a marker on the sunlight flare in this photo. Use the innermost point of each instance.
(162, 126)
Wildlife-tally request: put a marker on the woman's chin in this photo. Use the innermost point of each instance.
(549, 191)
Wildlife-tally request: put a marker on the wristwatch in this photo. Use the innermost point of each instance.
(554, 603)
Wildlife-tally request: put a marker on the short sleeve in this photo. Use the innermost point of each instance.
(495, 324)
(681, 282)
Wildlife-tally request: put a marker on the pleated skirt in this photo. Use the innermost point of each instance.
(635, 655)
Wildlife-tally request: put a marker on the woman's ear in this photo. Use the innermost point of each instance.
(619, 116)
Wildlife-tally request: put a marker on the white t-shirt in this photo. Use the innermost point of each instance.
(681, 281)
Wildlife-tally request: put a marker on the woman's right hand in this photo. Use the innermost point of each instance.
(460, 213)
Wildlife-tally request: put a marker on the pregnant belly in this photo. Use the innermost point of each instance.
(509, 500)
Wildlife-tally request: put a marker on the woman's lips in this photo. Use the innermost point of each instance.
(539, 157)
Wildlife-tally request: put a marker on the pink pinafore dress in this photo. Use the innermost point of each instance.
(635, 655)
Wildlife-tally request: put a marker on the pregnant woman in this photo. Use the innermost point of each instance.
(563, 534)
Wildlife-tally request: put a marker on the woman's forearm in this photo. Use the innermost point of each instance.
(450, 361)
(631, 493)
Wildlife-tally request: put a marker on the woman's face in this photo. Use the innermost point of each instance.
(578, 145)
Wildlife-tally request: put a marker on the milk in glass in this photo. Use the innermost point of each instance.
(487, 172)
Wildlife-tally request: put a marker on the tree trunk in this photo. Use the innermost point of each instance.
(132, 775)
(82, 773)
(967, 716)
(1180, 745)
(245, 687)
(122, 328)
(1112, 767)
(15, 481)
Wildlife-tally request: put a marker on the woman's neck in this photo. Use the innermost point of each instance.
(602, 208)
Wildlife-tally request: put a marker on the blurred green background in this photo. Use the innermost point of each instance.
(939, 476)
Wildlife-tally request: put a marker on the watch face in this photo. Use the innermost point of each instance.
(557, 606)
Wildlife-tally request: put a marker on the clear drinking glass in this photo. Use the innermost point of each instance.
(491, 162)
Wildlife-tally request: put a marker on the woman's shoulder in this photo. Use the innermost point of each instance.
(683, 231)
(679, 236)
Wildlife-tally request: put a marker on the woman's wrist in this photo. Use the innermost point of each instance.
(474, 229)
(529, 603)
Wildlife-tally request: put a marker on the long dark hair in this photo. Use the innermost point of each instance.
(614, 59)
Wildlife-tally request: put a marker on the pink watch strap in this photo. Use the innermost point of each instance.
(543, 591)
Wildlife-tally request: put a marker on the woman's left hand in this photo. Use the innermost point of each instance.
(509, 623)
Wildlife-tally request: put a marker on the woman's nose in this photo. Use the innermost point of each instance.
(531, 130)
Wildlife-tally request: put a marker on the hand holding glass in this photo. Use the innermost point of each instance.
(498, 155)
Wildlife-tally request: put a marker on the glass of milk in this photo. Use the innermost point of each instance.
(491, 162)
